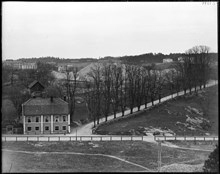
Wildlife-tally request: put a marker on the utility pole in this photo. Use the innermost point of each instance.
(159, 156)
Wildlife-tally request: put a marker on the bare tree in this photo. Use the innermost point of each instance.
(106, 88)
(96, 78)
(131, 71)
(116, 76)
(71, 88)
(89, 97)
(123, 89)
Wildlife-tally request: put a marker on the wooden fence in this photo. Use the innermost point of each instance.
(185, 138)
(72, 138)
(105, 138)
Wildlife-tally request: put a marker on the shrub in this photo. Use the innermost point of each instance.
(212, 163)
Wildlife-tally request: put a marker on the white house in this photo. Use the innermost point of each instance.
(167, 60)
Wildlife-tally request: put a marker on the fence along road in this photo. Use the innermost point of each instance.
(106, 138)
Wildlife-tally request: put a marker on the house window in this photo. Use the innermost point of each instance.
(64, 127)
(36, 128)
(37, 119)
(29, 119)
(56, 118)
(56, 127)
(29, 128)
(47, 119)
(64, 118)
(47, 128)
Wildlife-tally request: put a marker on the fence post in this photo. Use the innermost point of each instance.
(48, 138)
(165, 138)
(121, 138)
(59, 138)
(142, 138)
(16, 138)
(204, 138)
(110, 138)
(101, 138)
(185, 137)
(70, 138)
(27, 138)
(175, 138)
(131, 138)
(37, 138)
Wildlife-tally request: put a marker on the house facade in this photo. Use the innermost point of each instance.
(167, 60)
(45, 116)
(20, 65)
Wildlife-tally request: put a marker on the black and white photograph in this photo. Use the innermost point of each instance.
(109, 87)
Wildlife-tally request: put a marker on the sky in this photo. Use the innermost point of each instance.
(99, 29)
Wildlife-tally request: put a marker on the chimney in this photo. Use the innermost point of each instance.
(51, 99)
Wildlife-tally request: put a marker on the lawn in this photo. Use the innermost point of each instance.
(138, 152)
(172, 115)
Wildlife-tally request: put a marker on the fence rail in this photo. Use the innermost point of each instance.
(72, 138)
(185, 138)
(106, 138)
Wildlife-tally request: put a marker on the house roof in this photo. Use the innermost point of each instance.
(33, 83)
(44, 106)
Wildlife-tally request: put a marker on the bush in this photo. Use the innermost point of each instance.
(212, 164)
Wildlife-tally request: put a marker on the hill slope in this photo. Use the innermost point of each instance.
(185, 115)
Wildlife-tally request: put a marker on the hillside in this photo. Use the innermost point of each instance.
(186, 115)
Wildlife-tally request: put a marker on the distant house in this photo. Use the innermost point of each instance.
(64, 66)
(167, 60)
(35, 87)
(180, 59)
(45, 116)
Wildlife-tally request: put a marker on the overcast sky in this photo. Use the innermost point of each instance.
(98, 29)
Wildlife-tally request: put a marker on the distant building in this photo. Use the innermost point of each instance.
(19, 64)
(64, 66)
(180, 59)
(35, 88)
(167, 60)
(45, 116)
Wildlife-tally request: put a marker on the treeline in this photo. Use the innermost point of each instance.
(55, 59)
(111, 87)
(157, 58)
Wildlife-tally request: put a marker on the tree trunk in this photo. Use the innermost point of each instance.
(139, 108)
(94, 121)
(106, 118)
(131, 112)
(114, 114)
(123, 112)
(152, 102)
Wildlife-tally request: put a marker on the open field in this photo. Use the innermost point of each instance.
(92, 156)
(193, 115)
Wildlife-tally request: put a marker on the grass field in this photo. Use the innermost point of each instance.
(173, 115)
(138, 152)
